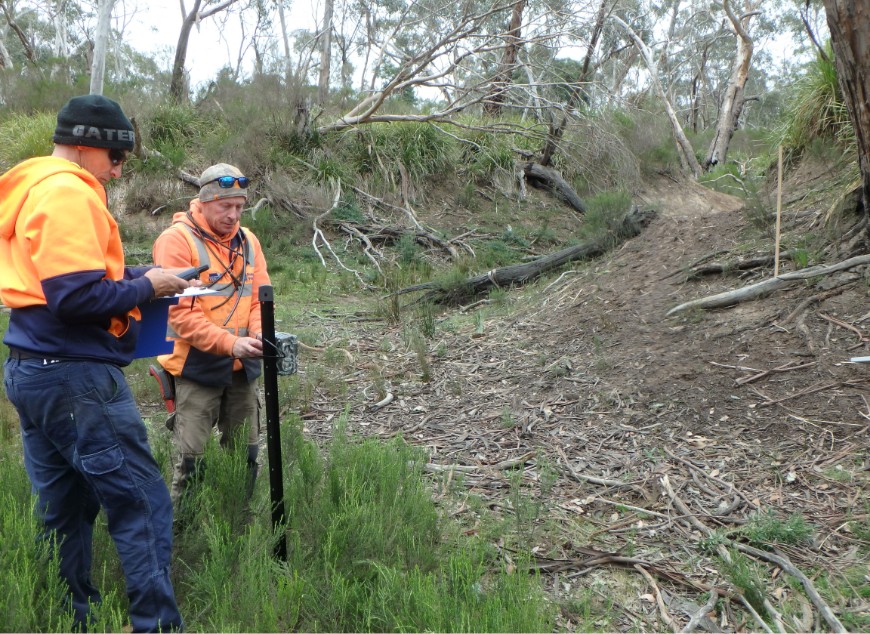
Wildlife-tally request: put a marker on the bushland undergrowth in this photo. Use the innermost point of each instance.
(369, 549)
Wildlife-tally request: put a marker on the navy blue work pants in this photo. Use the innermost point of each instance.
(86, 446)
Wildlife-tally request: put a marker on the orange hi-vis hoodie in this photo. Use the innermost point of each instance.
(62, 266)
(205, 327)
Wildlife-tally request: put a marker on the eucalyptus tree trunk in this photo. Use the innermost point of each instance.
(578, 91)
(325, 53)
(5, 58)
(285, 39)
(19, 33)
(672, 29)
(494, 101)
(369, 43)
(735, 97)
(61, 36)
(59, 68)
(697, 85)
(684, 147)
(101, 46)
(849, 22)
(177, 88)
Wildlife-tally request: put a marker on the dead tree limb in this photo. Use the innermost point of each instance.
(702, 613)
(780, 560)
(754, 291)
(631, 226)
(787, 566)
(741, 265)
(320, 237)
(392, 235)
(550, 179)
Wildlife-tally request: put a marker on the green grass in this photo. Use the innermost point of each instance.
(25, 136)
(766, 528)
(368, 551)
(816, 110)
(31, 592)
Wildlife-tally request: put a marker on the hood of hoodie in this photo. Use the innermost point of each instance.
(16, 183)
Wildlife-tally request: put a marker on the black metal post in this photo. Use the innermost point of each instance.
(273, 431)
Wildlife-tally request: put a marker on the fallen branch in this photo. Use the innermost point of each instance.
(663, 611)
(319, 235)
(699, 616)
(811, 390)
(785, 563)
(780, 560)
(861, 336)
(593, 558)
(786, 367)
(755, 614)
(507, 276)
(382, 403)
(754, 291)
(392, 235)
(814, 299)
(579, 477)
(741, 265)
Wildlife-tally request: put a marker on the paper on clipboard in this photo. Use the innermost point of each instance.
(193, 291)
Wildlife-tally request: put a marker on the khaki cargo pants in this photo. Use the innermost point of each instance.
(199, 409)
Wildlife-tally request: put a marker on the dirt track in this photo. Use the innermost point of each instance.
(587, 379)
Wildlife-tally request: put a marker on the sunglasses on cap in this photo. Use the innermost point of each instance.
(117, 156)
(226, 182)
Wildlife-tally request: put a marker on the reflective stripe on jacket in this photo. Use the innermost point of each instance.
(205, 327)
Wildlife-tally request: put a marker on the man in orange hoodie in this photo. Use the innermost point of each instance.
(216, 359)
(73, 326)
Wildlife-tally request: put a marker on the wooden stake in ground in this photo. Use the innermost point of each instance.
(778, 214)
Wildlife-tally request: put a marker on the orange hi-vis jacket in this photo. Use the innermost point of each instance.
(205, 327)
(62, 266)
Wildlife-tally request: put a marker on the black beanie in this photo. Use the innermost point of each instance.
(94, 121)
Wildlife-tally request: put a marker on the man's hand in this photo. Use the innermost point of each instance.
(194, 282)
(246, 347)
(165, 283)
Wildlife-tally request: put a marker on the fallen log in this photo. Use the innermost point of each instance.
(631, 225)
(741, 265)
(550, 179)
(765, 287)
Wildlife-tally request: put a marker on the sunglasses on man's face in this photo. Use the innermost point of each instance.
(117, 156)
(226, 182)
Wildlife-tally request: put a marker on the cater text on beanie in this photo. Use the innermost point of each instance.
(210, 190)
(94, 121)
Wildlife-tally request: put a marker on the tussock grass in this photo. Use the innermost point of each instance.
(25, 136)
(816, 110)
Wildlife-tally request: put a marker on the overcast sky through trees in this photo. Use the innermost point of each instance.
(210, 48)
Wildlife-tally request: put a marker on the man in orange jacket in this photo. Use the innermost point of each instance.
(73, 326)
(216, 358)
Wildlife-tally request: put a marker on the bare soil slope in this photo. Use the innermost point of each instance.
(602, 402)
